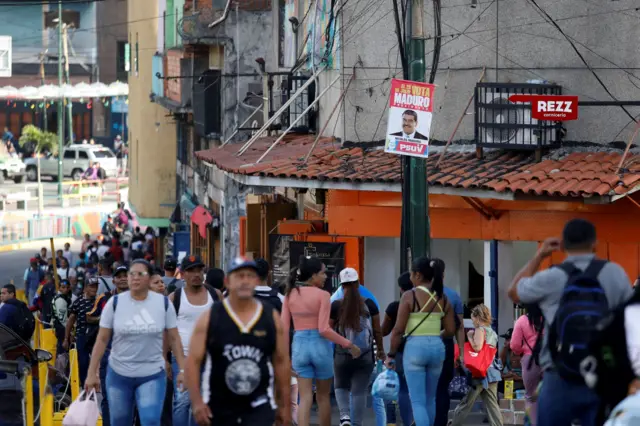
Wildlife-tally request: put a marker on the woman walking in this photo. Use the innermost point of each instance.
(523, 340)
(388, 323)
(424, 315)
(486, 388)
(136, 376)
(312, 354)
(357, 319)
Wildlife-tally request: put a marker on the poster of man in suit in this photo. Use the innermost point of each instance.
(410, 115)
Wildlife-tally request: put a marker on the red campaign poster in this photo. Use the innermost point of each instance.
(410, 115)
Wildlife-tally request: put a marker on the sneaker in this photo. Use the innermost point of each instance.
(345, 421)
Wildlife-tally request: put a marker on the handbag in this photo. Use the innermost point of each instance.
(479, 362)
(403, 340)
(83, 411)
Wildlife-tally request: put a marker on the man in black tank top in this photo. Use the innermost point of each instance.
(245, 350)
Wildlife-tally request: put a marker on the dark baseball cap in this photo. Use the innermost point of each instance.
(242, 263)
(190, 262)
(92, 281)
(508, 334)
(121, 268)
(170, 264)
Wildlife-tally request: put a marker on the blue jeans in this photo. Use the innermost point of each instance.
(312, 355)
(423, 357)
(83, 357)
(182, 415)
(145, 393)
(104, 365)
(560, 402)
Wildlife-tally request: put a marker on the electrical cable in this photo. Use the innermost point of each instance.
(584, 61)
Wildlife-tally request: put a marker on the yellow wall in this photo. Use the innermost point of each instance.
(152, 185)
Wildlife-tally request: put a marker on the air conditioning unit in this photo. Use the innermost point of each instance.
(501, 123)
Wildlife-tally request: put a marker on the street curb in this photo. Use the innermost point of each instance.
(36, 244)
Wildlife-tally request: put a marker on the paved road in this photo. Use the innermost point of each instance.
(14, 263)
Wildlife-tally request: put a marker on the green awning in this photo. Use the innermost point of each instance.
(154, 222)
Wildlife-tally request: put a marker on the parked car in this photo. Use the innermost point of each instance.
(11, 168)
(76, 159)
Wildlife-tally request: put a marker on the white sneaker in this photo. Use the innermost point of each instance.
(345, 421)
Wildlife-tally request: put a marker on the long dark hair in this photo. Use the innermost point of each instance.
(429, 269)
(307, 268)
(351, 308)
(437, 284)
(534, 314)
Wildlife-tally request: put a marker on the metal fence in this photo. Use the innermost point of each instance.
(37, 228)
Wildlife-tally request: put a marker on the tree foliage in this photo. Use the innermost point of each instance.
(40, 140)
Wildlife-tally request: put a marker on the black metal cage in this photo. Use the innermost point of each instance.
(501, 123)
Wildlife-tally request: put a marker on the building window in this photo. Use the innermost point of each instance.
(5, 56)
(122, 61)
(137, 59)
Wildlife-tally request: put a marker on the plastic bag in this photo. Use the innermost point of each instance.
(84, 411)
(478, 363)
(386, 386)
(626, 413)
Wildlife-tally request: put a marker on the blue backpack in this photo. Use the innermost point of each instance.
(582, 306)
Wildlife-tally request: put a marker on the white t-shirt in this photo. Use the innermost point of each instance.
(67, 273)
(632, 333)
(102, 250)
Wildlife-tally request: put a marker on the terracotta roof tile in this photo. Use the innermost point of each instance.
(579, 174)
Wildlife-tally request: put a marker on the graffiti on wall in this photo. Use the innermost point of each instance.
(88, 223)
(323, 40)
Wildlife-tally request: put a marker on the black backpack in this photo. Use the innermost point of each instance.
(271, 297)
(25, 322)
(582, 306)
(178, 292)
(608, 369)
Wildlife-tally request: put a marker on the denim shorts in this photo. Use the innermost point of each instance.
(312, 355)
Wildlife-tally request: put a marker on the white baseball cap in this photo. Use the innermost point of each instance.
(348, 275)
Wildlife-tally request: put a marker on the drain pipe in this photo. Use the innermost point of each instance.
(224, 16)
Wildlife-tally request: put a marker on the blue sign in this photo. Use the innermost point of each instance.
(119, 106)
(181, 244)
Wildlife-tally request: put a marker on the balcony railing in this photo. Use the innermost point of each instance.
(282, 86)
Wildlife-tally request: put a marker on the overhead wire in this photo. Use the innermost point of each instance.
(577, 51)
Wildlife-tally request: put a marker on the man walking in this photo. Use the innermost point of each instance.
(171, 282)
(565, 397)
(190, 302)
(246, 351)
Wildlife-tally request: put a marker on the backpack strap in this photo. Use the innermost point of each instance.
(166, 303)
(568, 268)
(212, 292)
(176, 299)
(594, 268)
(115, 303)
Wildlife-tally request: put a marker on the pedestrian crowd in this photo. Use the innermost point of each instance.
(186, 344)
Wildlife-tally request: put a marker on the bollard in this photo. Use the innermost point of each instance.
(49, 343)
(37, 336)
(74, 373)
(28, 389)
(21, 296)
(43, 376)
(46, 412)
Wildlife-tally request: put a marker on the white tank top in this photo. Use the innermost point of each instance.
(188, 316)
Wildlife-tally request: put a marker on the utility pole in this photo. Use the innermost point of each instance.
(43, 81)
(65, 35)
(416, 238)
(60, 107)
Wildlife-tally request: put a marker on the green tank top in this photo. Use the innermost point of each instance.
(432, 325)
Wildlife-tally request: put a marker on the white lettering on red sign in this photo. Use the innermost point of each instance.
(555, 106)
(414, 148)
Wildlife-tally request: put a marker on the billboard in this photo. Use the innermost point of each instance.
(409, 121)
(5, 56)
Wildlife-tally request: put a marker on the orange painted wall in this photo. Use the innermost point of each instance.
(378, 214)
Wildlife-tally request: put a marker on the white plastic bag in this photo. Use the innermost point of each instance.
(84, 411)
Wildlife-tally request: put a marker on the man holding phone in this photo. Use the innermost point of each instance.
(557, 291)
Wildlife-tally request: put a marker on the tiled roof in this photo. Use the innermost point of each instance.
(576, 174)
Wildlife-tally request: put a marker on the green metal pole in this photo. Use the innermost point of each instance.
(60, 106)
(419, 237)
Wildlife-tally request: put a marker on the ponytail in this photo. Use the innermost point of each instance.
(437, 284)
(307, 268)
